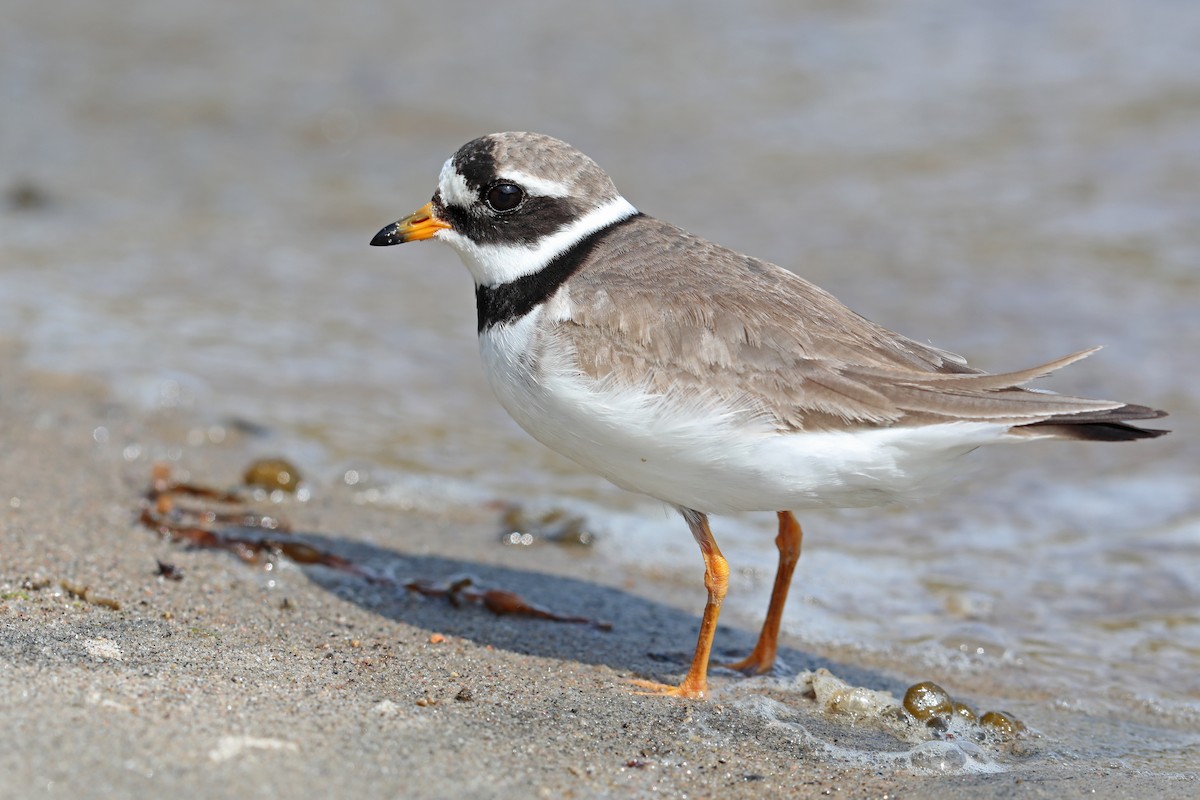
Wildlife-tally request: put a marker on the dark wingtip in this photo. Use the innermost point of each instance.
(387, 236)
(1090, 431)
(1101, 426)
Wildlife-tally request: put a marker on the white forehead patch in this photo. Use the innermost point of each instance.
(452, 186)
(535, 185)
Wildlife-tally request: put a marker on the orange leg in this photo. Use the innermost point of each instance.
(762, 657)
(716, 580)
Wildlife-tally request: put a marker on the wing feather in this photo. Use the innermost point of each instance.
(668, 310)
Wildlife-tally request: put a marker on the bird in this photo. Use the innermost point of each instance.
(713, 381)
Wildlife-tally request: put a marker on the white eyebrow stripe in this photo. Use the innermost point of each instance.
(495, 264)
(535, 185)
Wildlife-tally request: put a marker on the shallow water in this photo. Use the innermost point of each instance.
(190, 190)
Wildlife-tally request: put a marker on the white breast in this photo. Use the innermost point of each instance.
(697, 454)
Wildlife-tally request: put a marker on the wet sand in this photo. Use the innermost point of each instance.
(302, 681)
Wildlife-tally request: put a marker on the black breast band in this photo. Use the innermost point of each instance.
(509, 301)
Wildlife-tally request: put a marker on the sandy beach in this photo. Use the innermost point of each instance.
(244, 681)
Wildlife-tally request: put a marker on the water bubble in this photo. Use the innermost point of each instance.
(938, 757)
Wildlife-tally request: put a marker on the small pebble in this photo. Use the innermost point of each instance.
(965, 712)
(272, 474)
(1003, 724)
(928, 702)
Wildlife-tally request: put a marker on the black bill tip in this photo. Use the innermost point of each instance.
(389, 235)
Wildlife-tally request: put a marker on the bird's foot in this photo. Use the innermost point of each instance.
(753, 664)
(688, 689)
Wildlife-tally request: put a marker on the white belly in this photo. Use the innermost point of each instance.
(698, 455)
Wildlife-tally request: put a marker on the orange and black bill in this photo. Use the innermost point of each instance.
(421, 224)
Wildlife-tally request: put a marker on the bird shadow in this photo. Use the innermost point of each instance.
(646, 638)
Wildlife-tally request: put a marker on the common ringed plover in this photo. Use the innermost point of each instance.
(708, 379)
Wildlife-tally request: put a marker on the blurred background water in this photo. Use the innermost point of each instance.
(189, 190)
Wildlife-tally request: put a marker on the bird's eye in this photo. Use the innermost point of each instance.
(504, 196)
